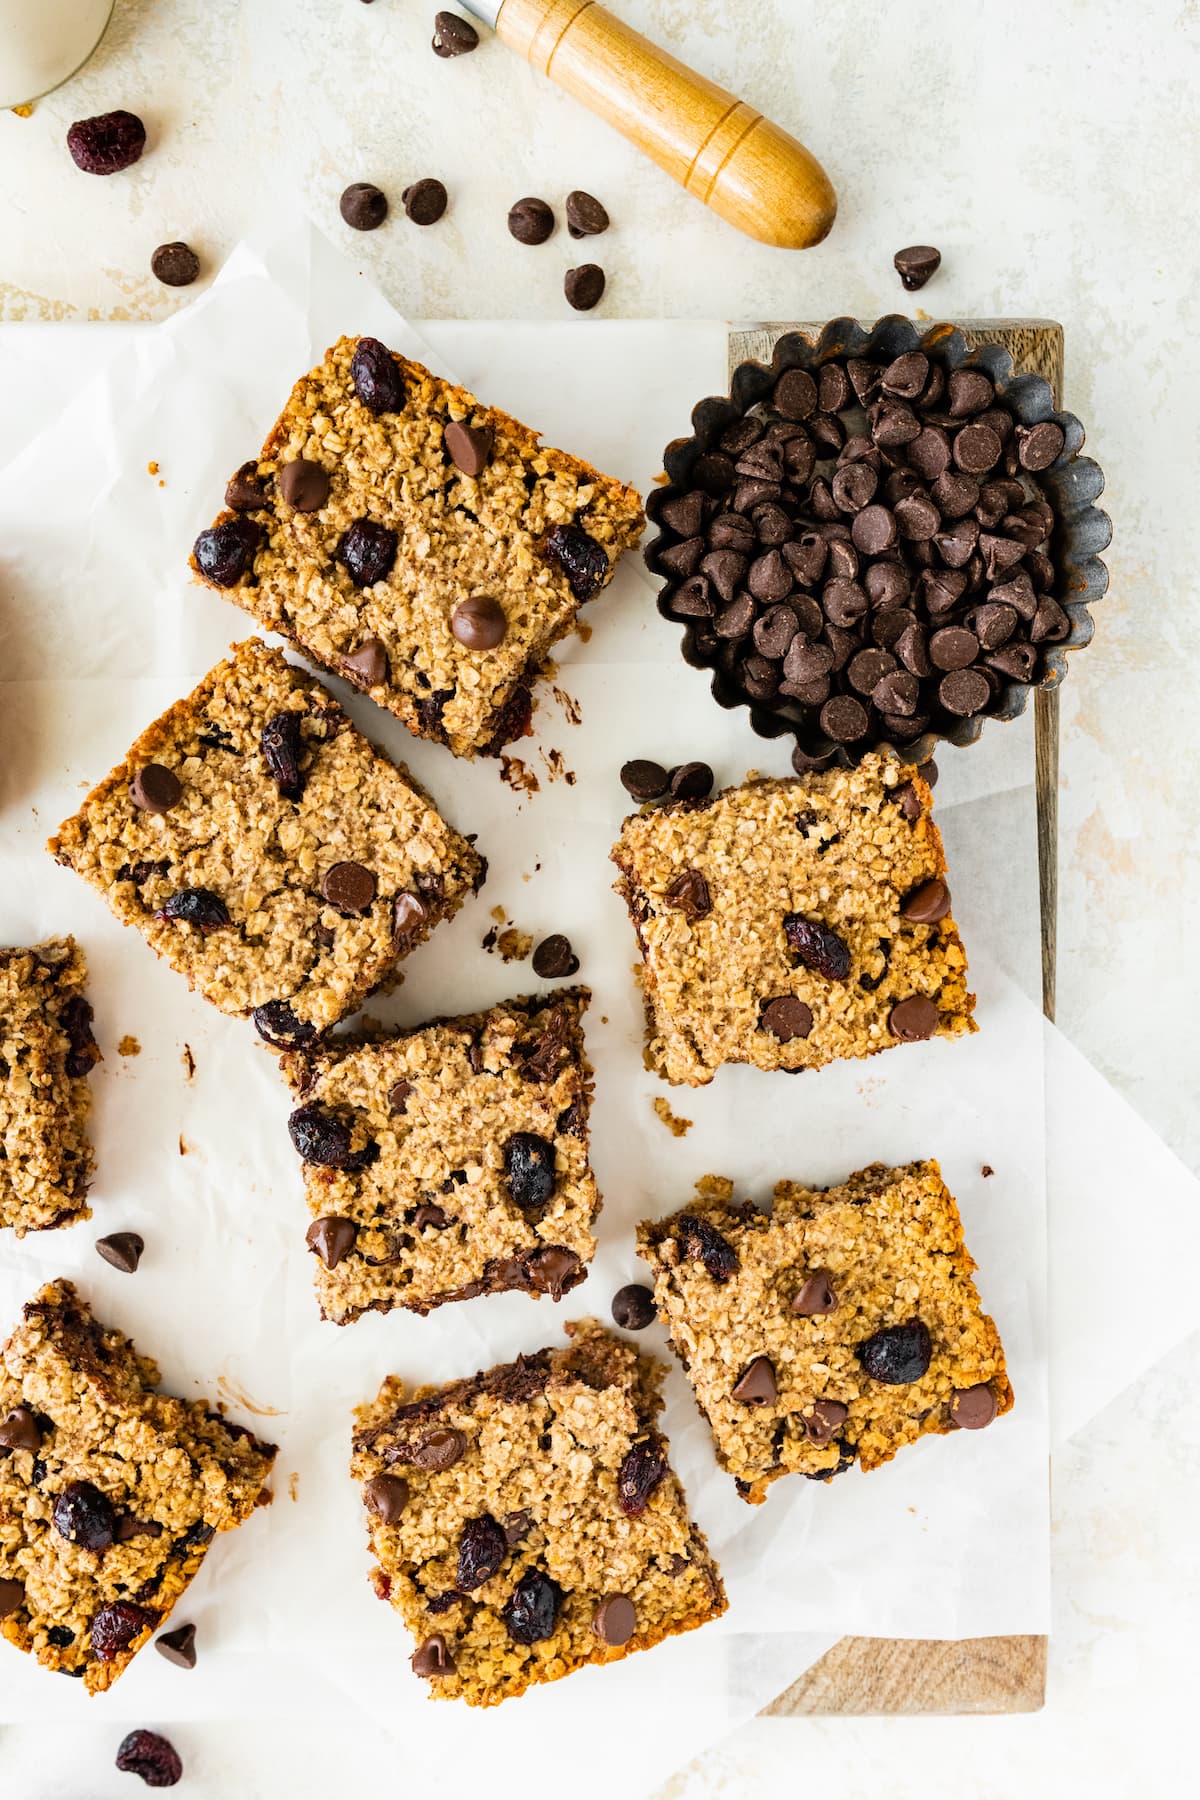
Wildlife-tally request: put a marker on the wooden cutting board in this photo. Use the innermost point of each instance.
(970, 1675)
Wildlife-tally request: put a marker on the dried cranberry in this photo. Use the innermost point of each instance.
(529, 1166)
(376, 377)
(366, 552)
(572, 1122)
(115, 1626)
(76, 1019)
(84, 1516)
(322, 1138)
(282, 745)
(898, 1354)
(481, 1550)
(532, 1611)
(224, 552)
(642, 1468)
(818, 948)
(582, 560)
(152, 1757)
(702, 1242)
(430, 709)
(106, 144)
(196, 906)
(277, 1023)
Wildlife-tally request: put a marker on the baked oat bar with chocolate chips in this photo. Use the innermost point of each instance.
(268, 851)
(526, 1521)
(110, 1492)
(449, 1160)
(47, 1052)
(790, 923)
(833, 1329)
(422, 545)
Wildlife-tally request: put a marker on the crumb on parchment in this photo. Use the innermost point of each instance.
(676, 1126)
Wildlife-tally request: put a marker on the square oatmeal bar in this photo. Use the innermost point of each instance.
(263, 846)
(422, 545)
(836, 1328)
(450, 1160)
(47, 1052)
(790, 923)
(526, 1521)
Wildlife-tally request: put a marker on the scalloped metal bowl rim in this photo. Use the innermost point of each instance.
(1084, 572)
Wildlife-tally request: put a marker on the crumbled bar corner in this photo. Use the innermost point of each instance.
(268, 851)
(110, 1492)
(422, 545)
(450, 1160)
(833, 1329)
(526, 1521)
(46, 1054)
(790, 923)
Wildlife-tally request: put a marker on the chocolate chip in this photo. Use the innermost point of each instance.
(615, 1619)
(928, 771)
(874, 530)
(953, 647)
(178, 1646)
(644, 781)
(479, 623)
(175, 265)
(735, 620)
(897, 693)
(470, 446)
(845, 603)
(431, 1216)
(795, 394)
(363, 206)
(12, 1597)
(377, 377)
(786, 1018)
(20, 1430)
(367, 667)
(992, 624)
(969, 392)
(553, 1270)
(905, 797)
(917, 517)
(973, 1408)
(1050, 623)
(1040, 445)
(927, 903)
(453, 36)
(844, 719)
(897, 1355)
(684, 513)
(517, 1526)
(691, 781)
(432, 1658)
(123, 1249)
(769, 580)
(816, 1296)
(913, 1019)
(916, 264)
(585, 215)
(304, 485)
(349, 887)
(409, 913)
(225, 552)
(868, 668)
(155, 789)
(332, 1238)
(244, 492)
(929, 452)
(107, 143)
(824, 1420)
(688, 893)
(963, 692)
(425, 201)
(553, 958)
(530, 221)
(634, 1307)
(977, 449)
(439, 1449)
(756, 1385)
(584, 286)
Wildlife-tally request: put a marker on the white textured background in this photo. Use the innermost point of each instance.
(1051, 151)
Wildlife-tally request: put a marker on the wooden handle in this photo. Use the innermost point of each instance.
(741, 165)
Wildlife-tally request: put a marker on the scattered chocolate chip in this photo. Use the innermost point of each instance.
(973, 1408)
(817, 946)
(530, 221)
(529, 1167)
(367, 667)
(178, 1646)
(224, 553)
(367, 551)
(278, 1025)
(582, 560)
(644, 781)
(175, 265)
(432, 1658)
(634, 1307)
(815, 1296)
(585, 215)
(155, 789)
(756, 1385)
(913, 1019)
(12, 1597)
(927, 903)
(688, 893)
(363, 206)
(898, 1354)
(691, 781)
(823, 1421)
(331, 1238)
(615, 1619)
(554, 958)
(151, 1756)
(531, 1612)
(349, 887)
(304, 485)
(479, 623)
(84, 1516)
(584, 286)
(20, 1430)
(786, 1018)
(123, 1249)
(425, 201)
(453, 36)
(916, 264)
(377, 377)
(106, 144)
(482, 1549)
(642, 1468)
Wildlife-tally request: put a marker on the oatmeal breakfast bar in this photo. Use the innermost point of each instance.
(267, 850)
(46, 1055)
(789, 923)
(422, 545)
(833, 1329)
(449, 1160)
(110, 1492)
(526, 1521)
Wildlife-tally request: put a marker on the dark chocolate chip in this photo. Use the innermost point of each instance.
(844, 602)
(615, 1619)
(409, 913)
(963, 692)
(431, 1216)
(786, 1018)
(553, 1270)
(584, 286)
(684, 513)
(815, 1296)
(917, 517)
(795, 394)
(304, 485)
(953, 647)
(897, 693)
(688, 893)
(1050, 623)
(155, 789)
(177, 265)
(20, 1430)
(554, 958)
(929, 452)
(916, 264)
(367, 666)
(691, 781)
(866, 670)
(927, 903)
(643, 780)
(517, 1526)
(425, 201)
(735, 620)
(439, 1449)
(874, 530)
(479, 623)
(363, 206)
(774, 631)
(977, 449)
(349, 887)
(530, 221)
(178, 1646)
(973, 1408)
(470, 446)
(453, 36)
(634, 1307)
(969, 391)
(756, 1385)
(768, 579)
(244, 491)
(844, 719)
(12, 1597)
(123, 1249)
(1040, 445)
(913, 1019)
(331, 1238)
(432, 1658)
(585, 215)
(823, 1421)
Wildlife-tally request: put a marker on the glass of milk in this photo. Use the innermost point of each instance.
(43, 43)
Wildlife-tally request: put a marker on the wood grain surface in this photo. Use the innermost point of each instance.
(970, 1675)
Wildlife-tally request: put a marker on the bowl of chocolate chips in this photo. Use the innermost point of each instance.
(882, 539)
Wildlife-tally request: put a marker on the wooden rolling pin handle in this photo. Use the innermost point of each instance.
(746, 169)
